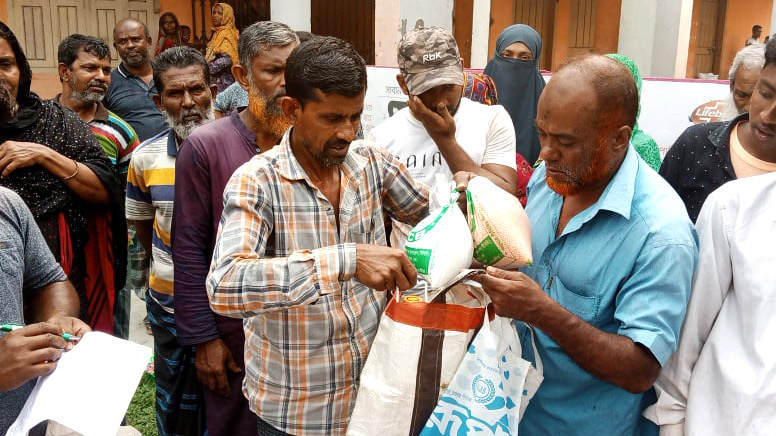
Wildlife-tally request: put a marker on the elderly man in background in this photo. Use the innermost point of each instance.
(614, 255)
(205, 163)
(185, 99)
(84, 70)
(234, 96)
(743, 75)
(132, 88)
(706, 156)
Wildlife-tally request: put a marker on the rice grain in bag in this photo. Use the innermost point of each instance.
(440, 246)
(499, 225)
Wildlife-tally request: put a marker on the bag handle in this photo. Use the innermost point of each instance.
(513, 331)
(537, 357)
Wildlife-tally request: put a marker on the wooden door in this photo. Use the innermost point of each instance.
(539, 14)
(41, 24)
(351, 20)
(67, 17)
(103, 18)
(30, 21)
(582, 27)
(708, 35)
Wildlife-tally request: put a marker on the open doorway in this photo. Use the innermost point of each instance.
(708, 26)
(247, 12)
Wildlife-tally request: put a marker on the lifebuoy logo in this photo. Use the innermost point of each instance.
(708, 112)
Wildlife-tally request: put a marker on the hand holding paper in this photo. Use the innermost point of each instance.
(100, 375)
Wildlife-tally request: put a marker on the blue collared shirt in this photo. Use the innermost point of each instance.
(624, 265)
(131, 98)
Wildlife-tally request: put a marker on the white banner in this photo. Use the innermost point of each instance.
(667, 105)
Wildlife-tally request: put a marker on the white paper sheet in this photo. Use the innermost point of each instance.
(91, 388)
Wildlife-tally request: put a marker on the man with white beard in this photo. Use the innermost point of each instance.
(185, 99)
(743, 75)
(206, 161)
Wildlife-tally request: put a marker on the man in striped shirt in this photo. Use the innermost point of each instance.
(84, 70)
(185, 99)
(301, 251)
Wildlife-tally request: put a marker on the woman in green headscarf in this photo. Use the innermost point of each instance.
(644, 144)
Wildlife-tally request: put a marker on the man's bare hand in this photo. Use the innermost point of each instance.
(439, 124)
(461, 179)
(515, 295)
(15, 155)
(384, 268)
(29, 352)
(71, 325)
(213, 358)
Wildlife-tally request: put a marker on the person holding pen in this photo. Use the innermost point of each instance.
(33, 289)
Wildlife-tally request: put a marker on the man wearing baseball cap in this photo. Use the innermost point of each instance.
(442, 132)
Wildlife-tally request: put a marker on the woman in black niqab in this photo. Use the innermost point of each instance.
(519, 83)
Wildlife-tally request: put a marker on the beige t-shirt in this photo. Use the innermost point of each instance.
(744, 163)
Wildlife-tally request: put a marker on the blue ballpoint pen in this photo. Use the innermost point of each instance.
(12, 327)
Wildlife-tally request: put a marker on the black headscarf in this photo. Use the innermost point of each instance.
(60, 129)
(28, 106)
(519, 84)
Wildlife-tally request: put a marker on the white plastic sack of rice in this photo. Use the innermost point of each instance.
(440, 246)
(499, 225)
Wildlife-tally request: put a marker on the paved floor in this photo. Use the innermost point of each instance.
(137, 331)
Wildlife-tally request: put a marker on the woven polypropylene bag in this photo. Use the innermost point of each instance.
(499, 225)
(440, 246)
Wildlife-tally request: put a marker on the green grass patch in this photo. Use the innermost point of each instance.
(142, 410)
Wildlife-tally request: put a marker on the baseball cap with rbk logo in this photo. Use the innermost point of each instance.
(428, 58)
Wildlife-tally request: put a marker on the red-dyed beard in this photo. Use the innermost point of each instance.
(268, 113)
(587, 173)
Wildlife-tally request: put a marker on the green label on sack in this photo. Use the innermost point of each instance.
(487, 251)
(417, 234)
(420, 257)
(470, 216)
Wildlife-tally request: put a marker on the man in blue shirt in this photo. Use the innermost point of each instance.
(131, 91)
(614, 255)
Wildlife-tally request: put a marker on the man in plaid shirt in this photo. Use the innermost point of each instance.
(301, 251)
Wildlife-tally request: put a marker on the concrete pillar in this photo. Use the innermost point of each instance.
(428, 13)
(295, 13)
(683, 39)
(394, 18)
(387, 34)
(656, 35)
(773, 19)
(637, 32)
(481, 33)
